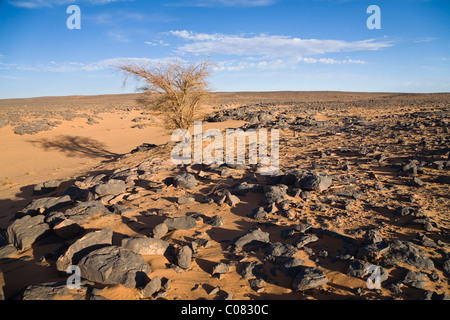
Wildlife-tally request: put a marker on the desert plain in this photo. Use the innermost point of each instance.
(363, 184)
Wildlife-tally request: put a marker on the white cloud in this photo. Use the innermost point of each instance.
(223, 3)
(274, 64)
(32, 4)
(269, 46)
(101, 65)
(425, 40)
(156, 43)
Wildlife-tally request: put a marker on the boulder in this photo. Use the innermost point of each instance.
(185, 223)
(80, 248)
(67, 229)
(160, 230)
(253, 235)
(280, 250)
(308, 279)
(184, 257)
(145, 246)
(23, 232)
(112, 187)
(45, 205)
(53, 291)
(314, 181)
(275, 194)
(185, 180)
(85, 210)
(152, 287)
(408, 253)
(46, 187)
(115, 265)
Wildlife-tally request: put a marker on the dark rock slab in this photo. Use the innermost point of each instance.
(184, 223)
(115, 265)
(308, 279)
(23, 232)
(53, 291)
(314, 181)
(45, 205)
(185, 180)
(112, 187)
(253, 235)
(80, 248)
(145, 246)
(85, 210)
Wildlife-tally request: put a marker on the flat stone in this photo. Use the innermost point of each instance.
(145, 246)
(115, 265)
(45, 205)
(111, 187)
(80, 248)
(85, 210)
(67, 229)
(23, 232)
(53, 291)
(185, 223)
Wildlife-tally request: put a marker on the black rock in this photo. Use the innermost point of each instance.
(23, 232)
(308, 279)
(280, 250)
(253, 235)
(115, 265)
(185, 223)
(408, 253)
(185, 180)
(314, 181)
(275, 194)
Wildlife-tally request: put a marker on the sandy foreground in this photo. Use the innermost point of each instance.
(387, 205)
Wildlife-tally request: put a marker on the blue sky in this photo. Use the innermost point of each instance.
(257, 45)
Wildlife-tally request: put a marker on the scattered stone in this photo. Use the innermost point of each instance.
(115, 265)
(45, 205)
(152, 287)
(88, 243)
(252, 235)
(86, 210)
(408, 253)
(67, 229)
(185, 222)
(184, 257)
(111, 187)
(222, 268)
(314, 181)
(160, 230)
(258, 213)
(250, 269)
(414, 279)
(308, 279)
(23, 232)
(145, 246)
(185, 200)
(292, 266)
(280, 250)
(215, 221)
(185, 180)
(53, 291)
(275, 194)
(46, 187)
(372, 236)
(305, 239)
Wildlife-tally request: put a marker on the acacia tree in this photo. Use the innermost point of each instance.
(176, 88)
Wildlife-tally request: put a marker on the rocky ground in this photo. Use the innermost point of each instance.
(363, 185)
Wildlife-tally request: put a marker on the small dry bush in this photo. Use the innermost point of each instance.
(174, 89)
